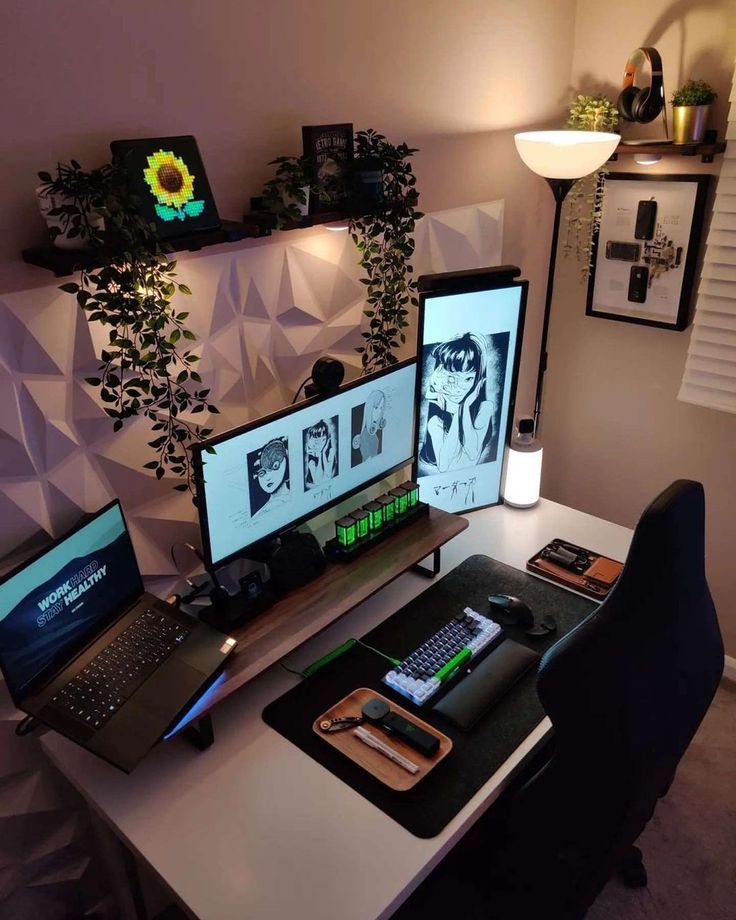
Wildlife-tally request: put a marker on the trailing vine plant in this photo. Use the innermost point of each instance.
(143, 369)
(585, 200)
(385, 241)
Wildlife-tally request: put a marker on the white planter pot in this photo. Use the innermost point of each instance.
(47, 202)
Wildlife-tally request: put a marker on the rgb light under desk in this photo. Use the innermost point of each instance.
(288, 467)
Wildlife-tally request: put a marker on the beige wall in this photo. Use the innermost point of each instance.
(242, 75)
(613, 428)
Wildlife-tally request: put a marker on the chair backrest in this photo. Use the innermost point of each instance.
(627, 689)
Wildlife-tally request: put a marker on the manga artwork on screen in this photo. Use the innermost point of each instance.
(321, 452)
(368, 422)
(460, 403)
(268, 477)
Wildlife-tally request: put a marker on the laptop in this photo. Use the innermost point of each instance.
(88, 652)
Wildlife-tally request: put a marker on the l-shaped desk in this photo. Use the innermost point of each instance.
(255, 828)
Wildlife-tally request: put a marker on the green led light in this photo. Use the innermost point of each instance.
(401, 501)
(387, 504)
(361, 519)
(346, 531)
(375, 516)
(412, 490)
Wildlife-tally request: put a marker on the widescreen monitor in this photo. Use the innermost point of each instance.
(281, 470)
(471, 325)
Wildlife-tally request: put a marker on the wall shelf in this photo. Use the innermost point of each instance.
(267, 221)
(67, 261)
(706, 151)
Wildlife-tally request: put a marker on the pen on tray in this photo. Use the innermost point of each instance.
(370, 739)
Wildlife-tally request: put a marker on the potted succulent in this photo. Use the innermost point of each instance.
(690, 111)
(147, 367)
(286, 196)
(69, 203)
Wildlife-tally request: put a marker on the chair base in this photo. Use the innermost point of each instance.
(632, 870)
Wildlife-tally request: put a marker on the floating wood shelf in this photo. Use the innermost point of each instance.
(706, 152)
(66, 261)
(267, 222)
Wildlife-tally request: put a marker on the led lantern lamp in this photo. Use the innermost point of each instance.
(560, 157)
(523, 468)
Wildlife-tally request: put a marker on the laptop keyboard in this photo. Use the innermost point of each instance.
(96, 693)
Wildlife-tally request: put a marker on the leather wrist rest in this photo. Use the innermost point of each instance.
(486, 684)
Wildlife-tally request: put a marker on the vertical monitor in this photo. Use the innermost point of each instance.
(277, 472)
(469, 345)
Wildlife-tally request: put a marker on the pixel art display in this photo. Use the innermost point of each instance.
(172, 185)
(168, 177)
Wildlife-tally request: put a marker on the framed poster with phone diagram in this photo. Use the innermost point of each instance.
(470, 331)
(645, 248)
(167, 176)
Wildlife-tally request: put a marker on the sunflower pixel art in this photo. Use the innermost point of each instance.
(172, 185)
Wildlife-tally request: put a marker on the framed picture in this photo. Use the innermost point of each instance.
(330, 148)
(167, 176)
(645, 248)
(470, 332)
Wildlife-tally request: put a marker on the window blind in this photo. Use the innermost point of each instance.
(710, 370)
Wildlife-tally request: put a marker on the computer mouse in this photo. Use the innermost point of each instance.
(510, 611)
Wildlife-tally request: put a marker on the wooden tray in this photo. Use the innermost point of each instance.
(384, 770)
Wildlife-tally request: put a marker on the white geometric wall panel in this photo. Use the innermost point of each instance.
(262, 315)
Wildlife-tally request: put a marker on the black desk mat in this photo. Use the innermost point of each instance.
(477, 754)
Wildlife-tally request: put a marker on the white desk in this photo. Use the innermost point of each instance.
(255, 828)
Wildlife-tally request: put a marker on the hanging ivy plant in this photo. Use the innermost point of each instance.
(385, 241)
(146, 368)
(585, 200)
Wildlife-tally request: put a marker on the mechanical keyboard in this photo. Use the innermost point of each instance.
(97, 692)
(421, 674)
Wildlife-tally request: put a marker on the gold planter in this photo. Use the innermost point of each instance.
(688, 123)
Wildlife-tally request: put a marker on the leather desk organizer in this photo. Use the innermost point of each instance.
(593, 575)
(379, 766)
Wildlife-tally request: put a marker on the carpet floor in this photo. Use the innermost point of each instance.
(689, 845)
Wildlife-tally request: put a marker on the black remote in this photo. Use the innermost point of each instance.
(377, 712)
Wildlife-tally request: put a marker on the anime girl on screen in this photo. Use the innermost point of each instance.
(368, 422)
(461, 401)
(268, 477)
(320, 452)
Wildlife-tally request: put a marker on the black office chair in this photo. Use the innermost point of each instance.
(626, 691)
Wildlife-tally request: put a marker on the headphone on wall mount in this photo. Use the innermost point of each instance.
(643, 105)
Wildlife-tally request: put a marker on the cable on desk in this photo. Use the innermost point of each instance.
(335, 653)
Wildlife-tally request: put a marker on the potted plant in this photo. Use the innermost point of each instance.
(144, 370)
(587, 113)
(690, 111)
(384, 238)
(69, 203)
(286, 196)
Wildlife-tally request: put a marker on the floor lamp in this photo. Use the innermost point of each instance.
(560, 157)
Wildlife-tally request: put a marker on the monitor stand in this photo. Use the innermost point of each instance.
(302, 613)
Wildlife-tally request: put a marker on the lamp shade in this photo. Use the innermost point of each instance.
(565, 154)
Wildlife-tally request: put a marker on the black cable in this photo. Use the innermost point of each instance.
(292, 670)
(301, 387)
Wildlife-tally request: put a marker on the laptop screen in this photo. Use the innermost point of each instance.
(54, 604)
